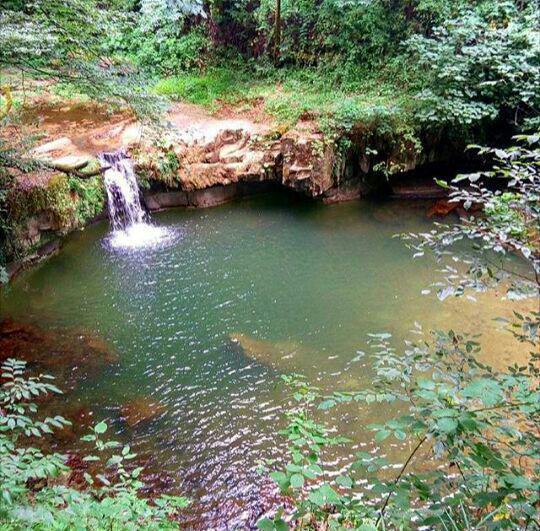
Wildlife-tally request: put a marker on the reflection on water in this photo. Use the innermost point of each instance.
(204, 325)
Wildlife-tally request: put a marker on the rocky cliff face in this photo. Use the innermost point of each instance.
(204, 171)
(201, 173)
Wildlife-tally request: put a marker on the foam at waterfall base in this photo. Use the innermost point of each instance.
(141, 235)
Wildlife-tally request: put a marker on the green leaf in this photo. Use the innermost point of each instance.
(100, 427)
(488, 391)
(265, 525)
(381, 435)
(272, 525)
(447, 425)
(291, 467)
(344, 481)
(316, 469)
(518, 482)
(327, 404)
(323, 495)
(281, 479)
(442, 184)
(297, 481)
(400, 435)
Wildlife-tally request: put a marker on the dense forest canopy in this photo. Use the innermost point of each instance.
(464, 63)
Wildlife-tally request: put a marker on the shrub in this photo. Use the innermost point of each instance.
(170, 53)
(478, 67)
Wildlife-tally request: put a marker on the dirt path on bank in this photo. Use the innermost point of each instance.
(86, 129)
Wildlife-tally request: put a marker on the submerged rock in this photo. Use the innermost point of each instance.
(281, 355)
(80, 416)
(67, 354)
(442, 207)
(78, 468)
(140, 409)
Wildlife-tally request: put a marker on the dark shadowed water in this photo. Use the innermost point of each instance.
(205, 323)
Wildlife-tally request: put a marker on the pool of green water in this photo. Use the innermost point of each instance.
(205, 324)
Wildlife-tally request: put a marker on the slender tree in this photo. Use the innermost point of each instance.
(277, 32)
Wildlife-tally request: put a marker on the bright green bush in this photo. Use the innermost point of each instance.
(171, 53)
(478, 67)
(204, 89)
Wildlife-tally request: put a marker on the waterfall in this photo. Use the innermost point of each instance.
(122, 189)
(131, 227)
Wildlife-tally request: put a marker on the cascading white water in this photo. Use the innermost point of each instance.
(122, 189)
(130, 224)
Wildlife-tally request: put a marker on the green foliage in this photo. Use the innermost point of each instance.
(70, 201)
(509, 227)
(468, 64)
(38, 36)
(315, 499)
(158, 36)
(90, 197)
(161, 164)
(480, 66)
(168, 166)
(33, 483)
(10, 159)
(368, 32)
(172, 54)
(379, 108)
(20, 464)
(206, 89)
(465, 415)
(501, 212)
(59, 41)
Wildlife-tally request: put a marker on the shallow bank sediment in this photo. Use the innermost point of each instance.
(204, 161)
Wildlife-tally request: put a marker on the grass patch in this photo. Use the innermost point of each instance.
(205, 89)
(290, 95)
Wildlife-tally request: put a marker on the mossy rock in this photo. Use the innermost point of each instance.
(71, 163)
(83, 165)
(93, 167)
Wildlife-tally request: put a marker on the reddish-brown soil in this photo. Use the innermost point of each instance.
(84, 128)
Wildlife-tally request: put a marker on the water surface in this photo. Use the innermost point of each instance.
(300, 284)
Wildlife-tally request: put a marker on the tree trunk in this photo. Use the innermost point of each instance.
(277, 31)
